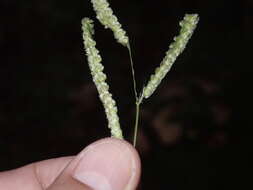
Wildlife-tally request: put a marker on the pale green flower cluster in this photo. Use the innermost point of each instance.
(94, 61)
(109, 20)
(188, 24)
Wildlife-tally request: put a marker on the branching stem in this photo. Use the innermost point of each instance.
(137, 99)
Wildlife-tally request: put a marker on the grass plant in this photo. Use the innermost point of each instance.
(106, 17)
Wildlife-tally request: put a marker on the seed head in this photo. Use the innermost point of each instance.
(109, 20)
(99, 78)
(188, 25)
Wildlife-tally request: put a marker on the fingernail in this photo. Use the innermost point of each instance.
(106, 165)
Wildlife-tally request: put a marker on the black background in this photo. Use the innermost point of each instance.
(49, 106)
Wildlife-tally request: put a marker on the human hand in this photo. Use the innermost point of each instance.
(107, 164)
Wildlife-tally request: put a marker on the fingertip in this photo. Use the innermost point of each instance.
(113, 162)
(107, 164)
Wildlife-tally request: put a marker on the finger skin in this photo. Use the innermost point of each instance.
(36, 176)
(124, 175)
(57, 174)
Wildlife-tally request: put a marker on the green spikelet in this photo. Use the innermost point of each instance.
(188, 25)
(99, 78)
(109, 20)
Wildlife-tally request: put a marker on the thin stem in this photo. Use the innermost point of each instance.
(138, 101)
(132, 69)
(136, 122)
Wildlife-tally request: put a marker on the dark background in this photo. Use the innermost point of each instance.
(194, 131)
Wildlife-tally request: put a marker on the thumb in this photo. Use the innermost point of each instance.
(107, 164)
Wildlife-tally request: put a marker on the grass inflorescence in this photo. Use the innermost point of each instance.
(106, 17)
